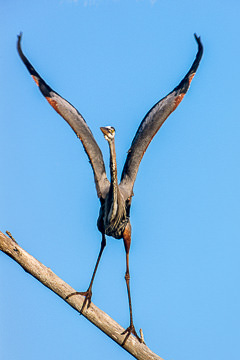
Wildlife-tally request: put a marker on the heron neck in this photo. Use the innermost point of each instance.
(113, 166)
(115, 207)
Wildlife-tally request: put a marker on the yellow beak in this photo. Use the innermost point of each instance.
(104, 130)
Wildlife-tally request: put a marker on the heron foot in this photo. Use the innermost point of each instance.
(87, 300)
(131, 330)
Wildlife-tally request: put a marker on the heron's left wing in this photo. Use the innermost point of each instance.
(152, 123)
(77, 123)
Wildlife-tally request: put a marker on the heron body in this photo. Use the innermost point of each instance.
(115, 198)
(114, 211)
(113, 216)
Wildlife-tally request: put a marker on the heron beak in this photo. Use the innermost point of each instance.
(104, 130)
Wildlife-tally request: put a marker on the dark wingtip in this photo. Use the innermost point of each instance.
(184, 84)
(19, 49)
(197, 38)
(200, 45)
(19, 38)
(198, 57)
(44, 88)
(23, 57)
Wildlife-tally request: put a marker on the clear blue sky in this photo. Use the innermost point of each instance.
(113, 60)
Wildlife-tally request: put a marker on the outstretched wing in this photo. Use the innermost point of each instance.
(152, 123)
(77, 123)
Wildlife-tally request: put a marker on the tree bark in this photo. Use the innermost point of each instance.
(97, 317)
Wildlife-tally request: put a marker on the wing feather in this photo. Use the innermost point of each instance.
(77, 123)
(152, 123)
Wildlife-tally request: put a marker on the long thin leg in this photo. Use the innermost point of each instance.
(88, 293)
(127, 243)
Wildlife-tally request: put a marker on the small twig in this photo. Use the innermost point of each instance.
(10, 235)
(141, 336)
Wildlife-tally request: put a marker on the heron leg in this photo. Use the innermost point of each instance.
(88, 293)
(127, 242)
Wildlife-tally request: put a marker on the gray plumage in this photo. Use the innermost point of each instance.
(114, 215)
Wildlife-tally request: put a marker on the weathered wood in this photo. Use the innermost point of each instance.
(62, 289)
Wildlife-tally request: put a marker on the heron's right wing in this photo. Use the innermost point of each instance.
(152, 123)
(77, 123)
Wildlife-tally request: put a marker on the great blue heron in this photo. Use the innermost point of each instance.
(115, 198)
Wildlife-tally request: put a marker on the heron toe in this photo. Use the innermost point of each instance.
(87, 300)
(131, 330)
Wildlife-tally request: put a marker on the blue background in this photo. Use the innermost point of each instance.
(113, 60)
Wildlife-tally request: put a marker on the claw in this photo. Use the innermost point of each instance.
(131, 330)
(87, 300)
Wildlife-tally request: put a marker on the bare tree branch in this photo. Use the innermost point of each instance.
(97, 317)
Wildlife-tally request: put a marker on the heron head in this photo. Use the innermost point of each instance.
(108, 132)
